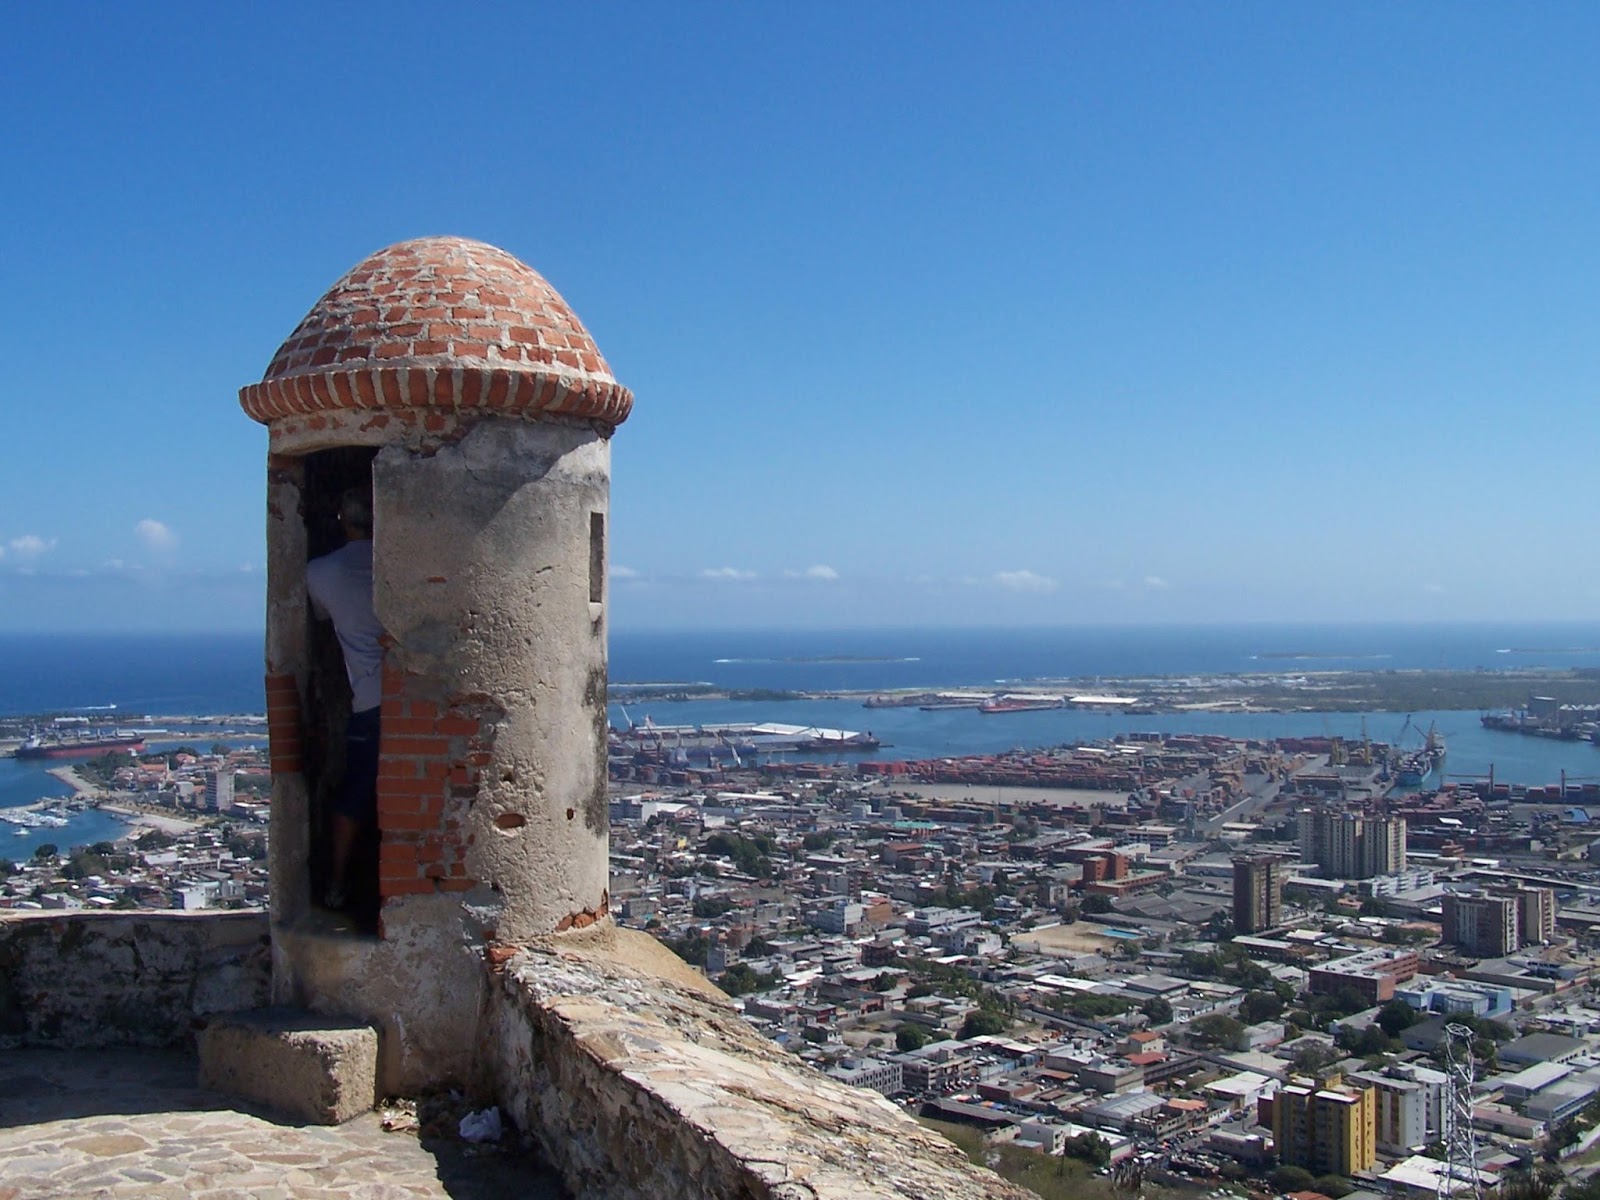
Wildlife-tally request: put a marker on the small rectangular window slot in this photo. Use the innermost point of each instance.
(597, 557)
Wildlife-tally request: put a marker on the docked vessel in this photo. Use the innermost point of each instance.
(1021, 703)
(941, 701)
(1416, 765)
(83, 745)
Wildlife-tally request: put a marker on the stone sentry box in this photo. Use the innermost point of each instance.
(456, 379)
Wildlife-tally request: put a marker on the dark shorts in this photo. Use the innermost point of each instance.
(358, 794)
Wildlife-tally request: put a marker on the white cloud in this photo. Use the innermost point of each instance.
(1025, 581)
(30, 546)
(618, 571)
(1157, 583)
(819, 571)
(727, 573)
(1433, 589)
(155, 535)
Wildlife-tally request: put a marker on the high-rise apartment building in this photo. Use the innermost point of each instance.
(1257, 893)
(219, 790)
(1536, 916)
(1327, 1126)
(1409, 1106)
(1482, 925)
(1383, 847)
(1347, 845)
(1499, 920)
(1343, 854)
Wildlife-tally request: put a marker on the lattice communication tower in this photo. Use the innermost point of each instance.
(1460, 1174)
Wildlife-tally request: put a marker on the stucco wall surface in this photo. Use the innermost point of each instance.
(482, 576)
(83, 980)
(643, 1082)
(421, 986)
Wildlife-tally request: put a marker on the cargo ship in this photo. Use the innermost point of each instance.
(1417, 765)
(948, 700)
(1013, 704)
(85, 745)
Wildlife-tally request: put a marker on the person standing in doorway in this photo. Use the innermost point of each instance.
(340, 587)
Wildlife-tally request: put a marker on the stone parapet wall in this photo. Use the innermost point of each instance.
(644, 1083)
(90, 979)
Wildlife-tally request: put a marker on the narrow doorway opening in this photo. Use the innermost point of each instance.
(334, 783)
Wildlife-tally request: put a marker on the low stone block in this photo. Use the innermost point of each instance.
(308, 1066)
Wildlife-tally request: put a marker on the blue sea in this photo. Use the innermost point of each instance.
(131, 677)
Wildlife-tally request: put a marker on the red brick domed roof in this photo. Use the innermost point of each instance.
(440, 322)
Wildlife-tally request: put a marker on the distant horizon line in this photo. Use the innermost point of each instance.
(975, 627)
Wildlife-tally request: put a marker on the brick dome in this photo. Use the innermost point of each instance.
(440, 322)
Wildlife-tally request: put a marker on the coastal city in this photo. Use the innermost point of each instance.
(1307, 965)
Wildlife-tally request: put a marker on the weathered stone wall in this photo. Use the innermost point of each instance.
(421, 986)
(494, 768)
(643, 1083)
(83, 980)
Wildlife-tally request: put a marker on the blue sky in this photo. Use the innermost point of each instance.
(946, 314)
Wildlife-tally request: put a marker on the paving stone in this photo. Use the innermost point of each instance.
(107, 1145)
(60, 1143)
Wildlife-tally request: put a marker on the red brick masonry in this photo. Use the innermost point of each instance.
(428, 769)
(283, 724)
(440, 323)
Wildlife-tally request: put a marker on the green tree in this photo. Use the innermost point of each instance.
(1157, 1010)
(1395, 1016)
(691, 947)
(1525, 1181)
(1332, 1185)
(1568, 1133)
(1589, 1189)
(1089, 1006)
(741, 979)
(1312, 1058)
(1290, 1179)
(7, 867)
(1364, 1042)
(909, 1037)
(1220, 1030)
(1089, 1147)
(1218, 927)
(48, 850)
(1095, 904)
(1260, 1006)
(983, 1023)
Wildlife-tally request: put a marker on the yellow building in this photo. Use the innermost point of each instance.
(1328, 1127)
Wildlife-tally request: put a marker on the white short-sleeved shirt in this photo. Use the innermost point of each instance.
(340, 585)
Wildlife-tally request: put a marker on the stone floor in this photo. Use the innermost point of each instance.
(127, 1123)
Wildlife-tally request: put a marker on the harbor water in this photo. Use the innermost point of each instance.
(126, 678)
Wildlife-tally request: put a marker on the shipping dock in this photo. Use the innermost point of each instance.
(732, 743)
